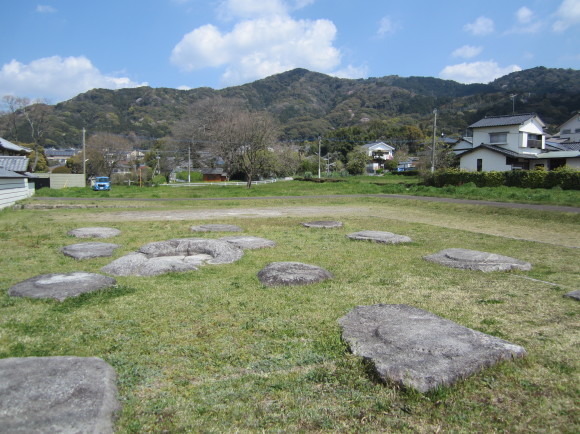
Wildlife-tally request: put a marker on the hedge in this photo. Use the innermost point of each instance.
(563, 177)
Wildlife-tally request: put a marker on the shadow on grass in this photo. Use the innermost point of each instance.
(98, 297)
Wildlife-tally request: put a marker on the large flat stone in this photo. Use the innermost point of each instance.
(474, 260)
(247, 242)
(89, 250)
(379, 237)
(176, 255)
(417, 349)
(573, 294)
(57, 394)
(292, 273)
(61, 286)
(216, 227)
(94, 232)
(323, 224)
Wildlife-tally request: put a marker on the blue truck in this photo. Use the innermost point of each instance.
(102, 183)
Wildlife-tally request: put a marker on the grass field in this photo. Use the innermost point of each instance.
(214, 350)
(391, 184)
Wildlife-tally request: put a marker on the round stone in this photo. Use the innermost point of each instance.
(379, 237)
(475, 260)
(325, 224)
(89, 250)
(292, 273)
(216, 228)
(61, 286)
(249, 242)
(94, 232)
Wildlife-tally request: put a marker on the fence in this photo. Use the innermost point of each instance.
(221, 184)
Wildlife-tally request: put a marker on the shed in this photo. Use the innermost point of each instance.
(13, 187)
(214, 175)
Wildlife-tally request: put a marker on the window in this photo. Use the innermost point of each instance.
(566, 131)
(577, 130)
(479, 164)
(497, 138)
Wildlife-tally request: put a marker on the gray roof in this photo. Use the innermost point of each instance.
(507, 152)
(16, 164)
(9, 174)
(370, 145)
(213, 172)
(12, 147)
(498, 121)
(560, 154)
(52, 152)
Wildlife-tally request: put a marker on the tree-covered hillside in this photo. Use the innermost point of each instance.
(308, 104)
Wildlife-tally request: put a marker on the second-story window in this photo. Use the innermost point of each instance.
(497, 138)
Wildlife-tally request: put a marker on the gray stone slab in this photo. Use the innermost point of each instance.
(292, 273)
(574, 294)
(324, 224)
(94, 232)
(417, 349)
(61, 286)
(89, 250)
(57, 394)
(475, 260)
(176, 255)
(248, 242)
(379, 237)
(216, 228)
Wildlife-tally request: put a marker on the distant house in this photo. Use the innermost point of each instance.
(512, 142)
(58, 157)
(8, 148)
(379, 152)
(214, 175)
(570, 129)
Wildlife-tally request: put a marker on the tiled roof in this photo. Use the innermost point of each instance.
(498, 121)
(370, 145)
(16, 164)
(12, 147)
(9, 174)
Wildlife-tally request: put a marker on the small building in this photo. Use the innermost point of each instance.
(570, 130)
(13, 187)
(379, 153)
(214, 175)
(10, 149)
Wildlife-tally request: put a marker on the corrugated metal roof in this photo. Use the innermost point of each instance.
(16, 164)
(560, 154)
(498, 121)
(12, 147)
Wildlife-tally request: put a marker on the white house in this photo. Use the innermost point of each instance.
(512, 142)
(571, 129)
(379, 153)
(13, 187)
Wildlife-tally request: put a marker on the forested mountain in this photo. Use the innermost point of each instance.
(309, 104)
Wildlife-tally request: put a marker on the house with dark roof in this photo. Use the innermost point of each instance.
(504, 143)
(8, 148)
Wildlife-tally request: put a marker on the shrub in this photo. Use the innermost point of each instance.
(61, 169)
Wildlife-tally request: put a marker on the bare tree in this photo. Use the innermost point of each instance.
(13, 105)
(37, 116)
(105, 152)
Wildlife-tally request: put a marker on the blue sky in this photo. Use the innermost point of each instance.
(56, 49)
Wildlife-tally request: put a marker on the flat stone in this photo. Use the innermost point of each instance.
(417, 349)
(379, 237)
(249, 242)
(94, 232)
(325, 224)
(574, 294)
(475, 260)
(216, 228)
(89, 250)
(292, 273)
(176, 255)
(61, 286)
(57, 394)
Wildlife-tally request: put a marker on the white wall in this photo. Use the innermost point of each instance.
(572, 125)
(13, 190)
(491, 161)
(65, 180)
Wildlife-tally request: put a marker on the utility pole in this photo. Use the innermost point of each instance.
(513, 98)
(319, 143)
(433, 146)
(189, 164)
(84, 157)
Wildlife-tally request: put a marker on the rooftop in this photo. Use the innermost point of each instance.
(497, 121)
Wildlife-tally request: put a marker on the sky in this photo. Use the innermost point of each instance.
(53, 50)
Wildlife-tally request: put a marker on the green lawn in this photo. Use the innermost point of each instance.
(216, 351)
(391, 184)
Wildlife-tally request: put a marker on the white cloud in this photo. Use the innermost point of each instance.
(481, 26)
(351, 72)
(245, 9)
(526, 22)
(476, 72)
(568, 15)
(524, 15)
(387, 26)
(467, 51)
(56, 78)
(45, 9)
(259, 47)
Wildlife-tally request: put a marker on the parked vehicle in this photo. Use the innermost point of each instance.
(102, 183)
